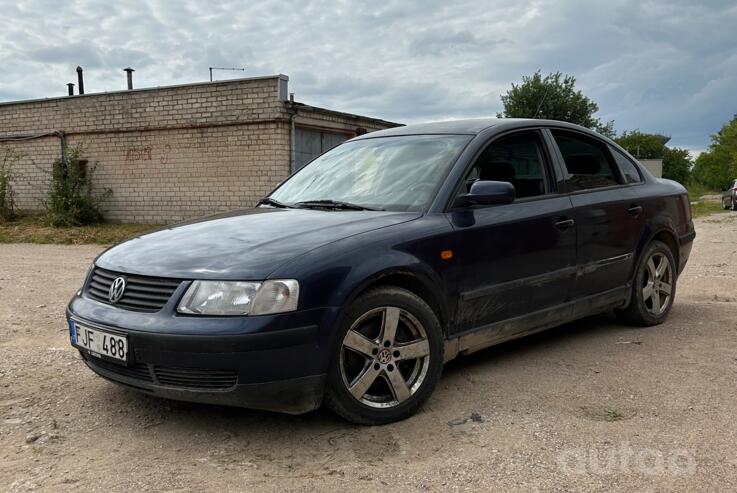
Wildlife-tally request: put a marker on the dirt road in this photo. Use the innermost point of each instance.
(589, 406)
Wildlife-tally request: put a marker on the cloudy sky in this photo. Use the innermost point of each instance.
(666, 66)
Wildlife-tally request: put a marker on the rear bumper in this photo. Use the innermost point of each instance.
(685, 244)
(275, 362)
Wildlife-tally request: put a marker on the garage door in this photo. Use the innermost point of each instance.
(309, 143)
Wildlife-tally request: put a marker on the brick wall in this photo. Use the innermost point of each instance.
(168, 153)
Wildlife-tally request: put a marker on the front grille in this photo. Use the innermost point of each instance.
(195, 377)
(191, 378)
(142, 293)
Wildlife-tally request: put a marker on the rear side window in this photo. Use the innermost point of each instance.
(588, 163)
(628, 169)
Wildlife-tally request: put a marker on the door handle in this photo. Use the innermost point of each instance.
(564, 223)
(634, 210)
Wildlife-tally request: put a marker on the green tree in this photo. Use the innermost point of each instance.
(718, 166)
(552, 97)
(676, 162)
(642, 145)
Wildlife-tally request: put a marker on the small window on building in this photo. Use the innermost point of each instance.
(628, 169)
(587, 162)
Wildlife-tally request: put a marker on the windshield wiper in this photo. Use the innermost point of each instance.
(334, 204)
(271, 202)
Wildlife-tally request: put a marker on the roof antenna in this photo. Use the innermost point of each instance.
(225, 68)
(540, 104)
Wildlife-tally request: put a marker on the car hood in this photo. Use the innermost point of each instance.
(246, 245)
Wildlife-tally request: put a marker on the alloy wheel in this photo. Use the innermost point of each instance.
(657, 284)
(385, 356)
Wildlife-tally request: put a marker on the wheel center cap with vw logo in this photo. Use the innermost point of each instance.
(384, 356)
(117, 288)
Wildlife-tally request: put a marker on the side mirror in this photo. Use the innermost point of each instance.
(490, 192)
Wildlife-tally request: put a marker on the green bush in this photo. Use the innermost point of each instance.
(7, 199)
(71, 200)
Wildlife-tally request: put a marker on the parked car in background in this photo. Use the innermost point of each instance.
(729, 196)
(358, 277)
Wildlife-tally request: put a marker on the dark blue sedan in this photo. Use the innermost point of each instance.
(360, 275)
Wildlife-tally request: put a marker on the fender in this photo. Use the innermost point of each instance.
(340, 286)
(338, 272)
(405, 266)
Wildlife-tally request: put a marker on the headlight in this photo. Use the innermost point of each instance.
(240, 298)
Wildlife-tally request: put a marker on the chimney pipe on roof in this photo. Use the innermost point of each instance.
(70, 86)
(129, 75)
(80, 80)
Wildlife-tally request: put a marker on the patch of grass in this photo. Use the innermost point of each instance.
(33, 229)
(705, 208)
(613, 415)
(697, 190)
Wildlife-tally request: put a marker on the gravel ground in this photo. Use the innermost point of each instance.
(590, 406)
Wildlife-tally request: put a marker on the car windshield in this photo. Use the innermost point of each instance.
(386, 173)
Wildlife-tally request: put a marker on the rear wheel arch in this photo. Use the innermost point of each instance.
(651, 283)
(669, 238)
(663, 234)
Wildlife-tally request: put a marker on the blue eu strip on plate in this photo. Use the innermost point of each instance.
(72, 332)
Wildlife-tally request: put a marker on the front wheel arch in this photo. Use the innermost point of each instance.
(417, 283)
(339, 393)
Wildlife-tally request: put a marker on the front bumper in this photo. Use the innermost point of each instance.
(271, 362)
(293, 396)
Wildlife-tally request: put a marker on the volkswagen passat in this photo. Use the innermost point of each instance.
(361, 274)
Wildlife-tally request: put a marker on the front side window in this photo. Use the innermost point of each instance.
(587, 162)
(629, 171)
(388, 173)
(517, 159)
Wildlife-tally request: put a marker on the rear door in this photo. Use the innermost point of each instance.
(607, 208)
(517, 258)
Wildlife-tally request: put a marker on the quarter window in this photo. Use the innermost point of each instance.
(629, 171)
(587, 162)
(516, 159)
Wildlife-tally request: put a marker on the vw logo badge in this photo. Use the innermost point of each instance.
(117, 288)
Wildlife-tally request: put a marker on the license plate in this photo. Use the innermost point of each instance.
(98, 342)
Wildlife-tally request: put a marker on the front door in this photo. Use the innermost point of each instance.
(518, 258)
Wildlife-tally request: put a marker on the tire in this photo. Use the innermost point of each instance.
(734, 205)
(652, 294)
(725, 206)
(368, 364)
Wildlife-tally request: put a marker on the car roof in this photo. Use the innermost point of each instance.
(468, 127)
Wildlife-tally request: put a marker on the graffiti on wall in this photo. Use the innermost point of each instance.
(146, 153)
(138, 153)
